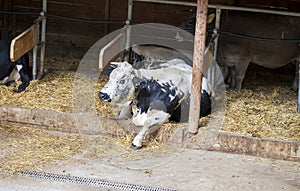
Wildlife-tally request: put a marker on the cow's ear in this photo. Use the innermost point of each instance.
(136, 81)
(110, 69)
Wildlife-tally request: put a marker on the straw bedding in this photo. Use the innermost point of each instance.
(263, 114)
(259, 110)
(29, 149)
(23, 148)
(265, 108)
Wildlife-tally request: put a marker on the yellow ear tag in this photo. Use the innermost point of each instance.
(210, 18)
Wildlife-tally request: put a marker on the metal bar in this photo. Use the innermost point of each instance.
(198, 60)
(169, 2)
(34, 65)
(129, 15)
(38, 20)
(287, 13)
(224, 7)
(128, 28)
(212, 71)
(217, 26)
(43, 38)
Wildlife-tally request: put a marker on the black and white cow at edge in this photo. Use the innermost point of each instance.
(11, 72)
(154, 96)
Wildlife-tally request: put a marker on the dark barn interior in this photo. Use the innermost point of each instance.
(73, 38)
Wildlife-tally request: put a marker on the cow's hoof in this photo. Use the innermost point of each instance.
(135, 147)
(20, 89)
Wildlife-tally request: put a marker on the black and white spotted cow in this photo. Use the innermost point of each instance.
(153, 96)
(13, 71)
(156, 103)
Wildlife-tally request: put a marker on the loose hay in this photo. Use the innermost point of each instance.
(53, 92)
(108, 148)
(29, 149)
(23, 148)
(263, 113)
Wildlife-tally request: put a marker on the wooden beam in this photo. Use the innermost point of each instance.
(198, 61)
(24, 42)
(110, 51)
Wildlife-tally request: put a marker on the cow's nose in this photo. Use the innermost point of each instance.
(104, 97)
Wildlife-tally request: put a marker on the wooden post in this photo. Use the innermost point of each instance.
(198, 59)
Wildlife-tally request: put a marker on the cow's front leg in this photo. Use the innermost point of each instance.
(138, 139)
(152, 118)
(24, 78)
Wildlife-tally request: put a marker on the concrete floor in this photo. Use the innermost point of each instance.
(191, 170)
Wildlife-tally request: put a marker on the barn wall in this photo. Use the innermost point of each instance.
(73, 38)
(7, 22)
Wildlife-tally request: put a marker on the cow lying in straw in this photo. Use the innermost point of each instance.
(153, 96)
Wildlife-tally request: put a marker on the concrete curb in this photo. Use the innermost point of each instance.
(204, 139)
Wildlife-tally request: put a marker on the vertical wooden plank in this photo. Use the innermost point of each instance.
(5, 21)
(107, 15)
(13, 26)
(12, 21)
(198, 59)
(24, 42)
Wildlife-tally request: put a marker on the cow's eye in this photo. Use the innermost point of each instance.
(122, 81)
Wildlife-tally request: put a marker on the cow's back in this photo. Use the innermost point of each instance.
(175, 70)
(5, 64)
(271, 54)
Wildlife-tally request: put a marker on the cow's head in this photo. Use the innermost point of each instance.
(119, 88)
